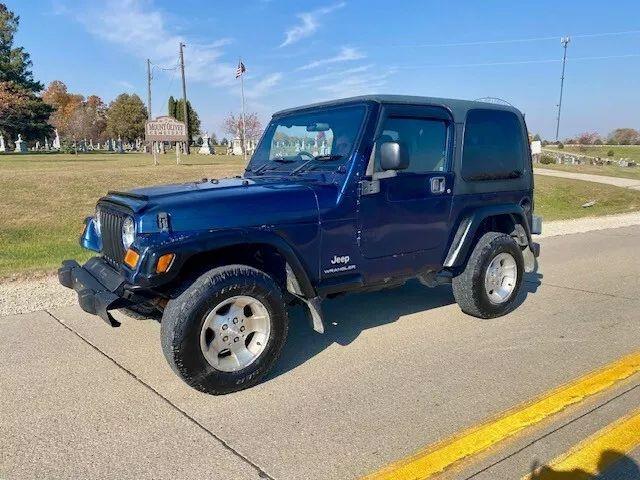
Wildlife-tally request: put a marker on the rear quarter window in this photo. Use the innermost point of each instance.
(493, 148)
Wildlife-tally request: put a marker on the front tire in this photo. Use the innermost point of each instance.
(489, 285)
(226, 331)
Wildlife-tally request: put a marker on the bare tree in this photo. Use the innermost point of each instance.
(232, 124)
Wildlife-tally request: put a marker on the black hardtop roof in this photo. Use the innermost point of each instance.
(457, 107)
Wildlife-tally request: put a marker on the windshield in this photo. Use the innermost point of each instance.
(320, 140)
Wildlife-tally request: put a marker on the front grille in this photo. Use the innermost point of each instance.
(111, 232)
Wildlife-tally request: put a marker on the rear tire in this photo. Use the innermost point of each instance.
(201, 329)
(489, 285)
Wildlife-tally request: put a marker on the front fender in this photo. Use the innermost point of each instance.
(186, 246)
(463, 239)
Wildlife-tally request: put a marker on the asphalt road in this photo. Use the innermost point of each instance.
(395, 372)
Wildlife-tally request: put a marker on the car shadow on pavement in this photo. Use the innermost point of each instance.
(347, 316)
(611, 465)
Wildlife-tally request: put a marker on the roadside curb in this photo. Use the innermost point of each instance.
(589, 224)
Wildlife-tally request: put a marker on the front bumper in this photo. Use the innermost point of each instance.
(100, 288)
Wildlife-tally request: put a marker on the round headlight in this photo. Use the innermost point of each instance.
(128, 232)
(96, 221)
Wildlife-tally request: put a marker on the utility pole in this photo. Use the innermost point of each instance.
(184, 97)
(149, 89)
(564, 41)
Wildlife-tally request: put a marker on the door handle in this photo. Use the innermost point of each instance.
(438, 184)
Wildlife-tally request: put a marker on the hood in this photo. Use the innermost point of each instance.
(226, 203)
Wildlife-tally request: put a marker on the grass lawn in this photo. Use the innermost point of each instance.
(562, 198)
(46, 197)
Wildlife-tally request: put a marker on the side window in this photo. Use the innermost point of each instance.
(493, 147)
(425, 140)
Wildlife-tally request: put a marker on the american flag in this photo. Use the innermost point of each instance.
(240, 70)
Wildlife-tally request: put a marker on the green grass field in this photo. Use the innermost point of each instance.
(46, 197)
(631, 152)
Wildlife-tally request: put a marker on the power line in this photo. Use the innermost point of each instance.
(511, 40)
(516, 62)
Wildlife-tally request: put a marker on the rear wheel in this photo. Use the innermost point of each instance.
(489, 285)
(225, 332)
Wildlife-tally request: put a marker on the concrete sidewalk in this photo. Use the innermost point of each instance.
(587, 177)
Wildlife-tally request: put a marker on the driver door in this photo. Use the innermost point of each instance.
(407, 211)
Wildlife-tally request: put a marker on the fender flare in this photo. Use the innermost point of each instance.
(215, 240)
(468, 226)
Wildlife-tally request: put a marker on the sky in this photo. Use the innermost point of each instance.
(299, 52)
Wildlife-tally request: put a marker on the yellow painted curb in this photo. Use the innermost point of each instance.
(592, 456)
(437, 457)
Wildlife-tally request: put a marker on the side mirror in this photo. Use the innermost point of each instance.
(393, 156)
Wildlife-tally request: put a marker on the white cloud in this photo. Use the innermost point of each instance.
(142, 30)
(348, 83)
(126, 85)
(309, 23)
(262, 86)
(346, 54)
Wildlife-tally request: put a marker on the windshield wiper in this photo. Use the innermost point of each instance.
(322, 158)
(269, 162)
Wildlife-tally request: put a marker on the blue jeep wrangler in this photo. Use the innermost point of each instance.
(355, 194)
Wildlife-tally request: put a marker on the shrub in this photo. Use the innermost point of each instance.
(560, 145)
(610, 153)
(547, 160)
(597, 142)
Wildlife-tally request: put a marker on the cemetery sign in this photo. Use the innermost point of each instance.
(165, 129)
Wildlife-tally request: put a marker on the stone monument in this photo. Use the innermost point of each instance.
(205, 149)
(21, 145)
(56, 141)
(2, 146)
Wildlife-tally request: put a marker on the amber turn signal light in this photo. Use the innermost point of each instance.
(164, 262)
(131, 258)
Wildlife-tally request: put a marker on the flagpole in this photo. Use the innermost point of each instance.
(244, 143)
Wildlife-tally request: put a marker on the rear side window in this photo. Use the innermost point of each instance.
(493, 148)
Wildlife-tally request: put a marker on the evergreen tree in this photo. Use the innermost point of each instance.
(171, 108)
(176, 110)
(22, 111)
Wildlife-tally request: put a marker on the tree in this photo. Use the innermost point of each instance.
(536, 137)
(126, 117)
(213, 139)
(232, 124)
(22, 111)
(70, 108)
(587, 138)
(623, 136)
(176, 110)
(224, 141)
(15, 64)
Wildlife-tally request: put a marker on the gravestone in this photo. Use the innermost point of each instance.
(21, 145)
(46, 143)
(236, 146)
(109, 147)
(56, 141)
(3, 148)
(205, 149)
